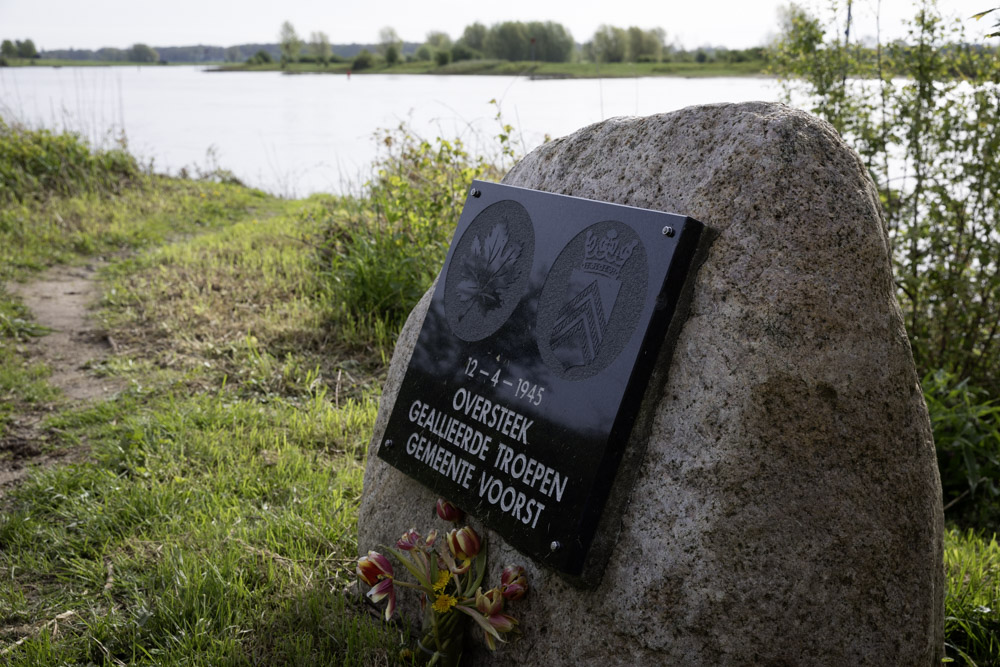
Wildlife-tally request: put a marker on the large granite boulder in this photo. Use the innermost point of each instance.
(787, 508)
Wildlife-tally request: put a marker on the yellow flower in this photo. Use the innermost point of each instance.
(442, 581)
(443, 603)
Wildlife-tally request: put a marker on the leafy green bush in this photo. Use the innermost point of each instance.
(37, 164)
(260, 58)
(385, 252)
(363, 60)
(922, 113)
(966, 427)
(442, 58)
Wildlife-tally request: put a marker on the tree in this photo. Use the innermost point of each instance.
(26, 49)
(290, 43)
(319, 44)
(438, 40)
(438, 46)
(474, 36)
(233, 54)
(7, 49)
(142, 53)
(800, 49)
(363, 60)
(388, 37)
(507, 41)
(608, 44)
(389, 45)
(513, 40)
(392, 55)
(111, 54)
(423, 53)
(552, 42)
(644, 45)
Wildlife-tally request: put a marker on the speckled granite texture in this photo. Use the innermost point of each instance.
(787, 510)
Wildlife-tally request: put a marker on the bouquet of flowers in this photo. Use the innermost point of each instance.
(450, 584)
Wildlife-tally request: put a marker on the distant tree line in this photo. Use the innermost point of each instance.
(552, 42)
(137, 53)
(18, 49)
(201, 53)
(543, 41)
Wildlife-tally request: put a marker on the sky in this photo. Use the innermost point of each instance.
(91, 24)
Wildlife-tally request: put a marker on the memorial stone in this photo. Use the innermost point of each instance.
(785, 507)
(532, 361)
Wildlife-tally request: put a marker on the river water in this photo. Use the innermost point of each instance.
(294, 135)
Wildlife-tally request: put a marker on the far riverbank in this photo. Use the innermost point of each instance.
(535, 70)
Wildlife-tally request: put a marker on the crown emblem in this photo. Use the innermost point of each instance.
(605, 256)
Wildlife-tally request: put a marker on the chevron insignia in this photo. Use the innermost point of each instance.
(579, 329)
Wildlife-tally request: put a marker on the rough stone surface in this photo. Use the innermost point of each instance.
(787, 510)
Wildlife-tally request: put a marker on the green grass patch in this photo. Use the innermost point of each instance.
(972, 603)
(35, 234)
(202, 528)
(22, 383)
(212, 520)
(39, 164)
(245, 305)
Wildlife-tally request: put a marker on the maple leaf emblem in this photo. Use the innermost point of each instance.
(489, 270)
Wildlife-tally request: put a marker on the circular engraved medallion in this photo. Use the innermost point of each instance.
(489, 270)
(591, 301)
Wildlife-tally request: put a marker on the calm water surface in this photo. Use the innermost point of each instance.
(293, 135)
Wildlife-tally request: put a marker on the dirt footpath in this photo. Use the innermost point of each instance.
(59, 300)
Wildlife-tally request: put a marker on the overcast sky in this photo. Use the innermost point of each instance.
(91, 24)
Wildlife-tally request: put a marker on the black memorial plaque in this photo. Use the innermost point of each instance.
(533, 358)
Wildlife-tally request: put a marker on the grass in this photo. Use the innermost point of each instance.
(213, 519)
(209, 517)
(196, 529)
(972, 603)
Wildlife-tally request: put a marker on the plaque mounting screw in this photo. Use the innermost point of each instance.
(387, 444)
(668, 231)
(555, 546)
(475, 192)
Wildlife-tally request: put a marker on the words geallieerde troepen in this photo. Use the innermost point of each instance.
(534, 474)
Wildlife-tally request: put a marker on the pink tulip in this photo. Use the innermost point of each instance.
(448, 511)
(411, 539)
(464, 543)
(376, 571)
(373, 567)
(513, 582)
(381, 590)
(490, 605)
(490, 602)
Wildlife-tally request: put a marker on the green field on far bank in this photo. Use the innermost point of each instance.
(538, 70)
(542, 70)
(67, 62)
